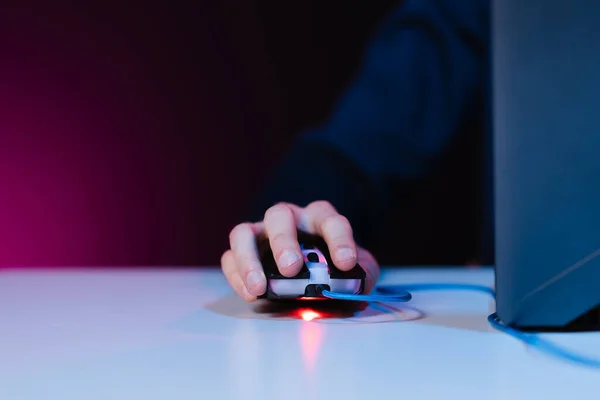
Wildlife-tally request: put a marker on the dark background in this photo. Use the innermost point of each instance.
(138, 134)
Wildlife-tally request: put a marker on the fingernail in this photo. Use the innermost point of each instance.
(253, 279)
(288, 258)
(344, 254)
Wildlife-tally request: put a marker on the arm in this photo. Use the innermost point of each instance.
(423, 73)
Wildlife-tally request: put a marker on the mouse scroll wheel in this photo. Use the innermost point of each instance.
(313, 257)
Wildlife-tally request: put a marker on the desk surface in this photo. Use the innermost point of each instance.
(182, 334)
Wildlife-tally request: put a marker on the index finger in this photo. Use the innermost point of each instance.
(242, 240)
(280, 226)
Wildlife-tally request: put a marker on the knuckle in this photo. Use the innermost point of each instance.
(336, 224)
(224, 258)
(344, 222)
(280, 239)
(279, 208)
(321, 204)
(239, 230)
(227, 262)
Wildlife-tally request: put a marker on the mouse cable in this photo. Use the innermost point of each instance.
(399, 295)
(528, 338)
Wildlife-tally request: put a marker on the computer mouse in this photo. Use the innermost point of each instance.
(318, 272)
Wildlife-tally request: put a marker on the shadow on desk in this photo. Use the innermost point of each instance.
(342, 312)
(329, 311)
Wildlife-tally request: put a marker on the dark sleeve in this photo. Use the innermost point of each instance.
(423, 73)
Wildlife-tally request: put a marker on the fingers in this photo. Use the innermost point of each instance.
(241, 264)
(323, 219)
(242, 241)
(371, 267)
(280, 226)
(229, 267)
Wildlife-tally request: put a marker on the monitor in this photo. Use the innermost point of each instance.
(546, 112)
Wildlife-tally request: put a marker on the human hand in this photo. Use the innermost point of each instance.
(241, 264)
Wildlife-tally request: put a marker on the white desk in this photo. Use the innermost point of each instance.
(177, 334)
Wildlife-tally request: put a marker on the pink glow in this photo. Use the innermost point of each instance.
(72, 174)
(311, 338)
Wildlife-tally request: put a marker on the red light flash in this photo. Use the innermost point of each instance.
(308, 315)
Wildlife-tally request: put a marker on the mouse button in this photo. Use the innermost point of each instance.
(271, 271)
(355, 273)
(335, 273)
(268, 262)
(304, 273)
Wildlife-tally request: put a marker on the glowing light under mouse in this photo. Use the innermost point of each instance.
(309, 315)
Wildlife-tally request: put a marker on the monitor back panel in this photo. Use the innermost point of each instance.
(546, 102)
